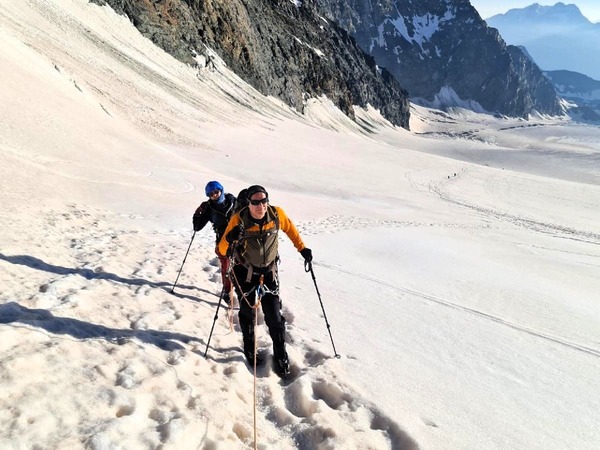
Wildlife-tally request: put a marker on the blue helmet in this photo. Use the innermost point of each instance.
(212, 185)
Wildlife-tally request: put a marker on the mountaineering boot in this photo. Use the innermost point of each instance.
(225, 297)
(250, 358)
(248, 337)
(277, 333)
(281, 363)
(226, 302)
(281, 366)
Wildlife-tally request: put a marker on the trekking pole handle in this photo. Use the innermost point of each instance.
(307, 266)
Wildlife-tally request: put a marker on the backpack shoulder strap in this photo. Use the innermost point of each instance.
(244, 217)
(273, 212)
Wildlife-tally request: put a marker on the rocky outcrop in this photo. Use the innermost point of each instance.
(282, 48)
(434, 46)
(581, 91)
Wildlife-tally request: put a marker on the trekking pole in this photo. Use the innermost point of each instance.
(308, 268)
(186, 253)
(214, 321)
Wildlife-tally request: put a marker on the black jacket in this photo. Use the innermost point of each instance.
(217, 214)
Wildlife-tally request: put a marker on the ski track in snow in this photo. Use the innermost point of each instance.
(336, 223)
(440, 301)
(145, 341)
(556, 230)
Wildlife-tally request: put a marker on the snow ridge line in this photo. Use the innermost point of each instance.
(530, 224)
(439, 301)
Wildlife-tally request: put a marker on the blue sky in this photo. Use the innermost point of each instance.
(487, 8)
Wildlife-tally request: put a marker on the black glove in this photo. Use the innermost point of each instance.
(306, 254)
(196, 223)
(234, 234)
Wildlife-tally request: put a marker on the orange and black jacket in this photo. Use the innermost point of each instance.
(259, 245)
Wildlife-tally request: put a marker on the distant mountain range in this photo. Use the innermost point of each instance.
(558, 37)
(445, 55)
(582, 91)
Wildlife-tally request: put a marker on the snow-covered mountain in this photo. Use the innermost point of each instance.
(558, 37)
(444, 54)
(575, 85)
(582, 91)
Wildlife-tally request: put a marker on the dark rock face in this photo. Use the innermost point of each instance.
(432, 45)
(281, 49)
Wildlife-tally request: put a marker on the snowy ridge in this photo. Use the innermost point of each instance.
(448, 98)
(588, 95)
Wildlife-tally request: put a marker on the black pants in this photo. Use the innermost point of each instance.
(271, 307)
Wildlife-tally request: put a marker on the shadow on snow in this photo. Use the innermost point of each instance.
(12, 312)
(90, 274)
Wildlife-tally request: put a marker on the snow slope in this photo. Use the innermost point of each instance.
(458, 263)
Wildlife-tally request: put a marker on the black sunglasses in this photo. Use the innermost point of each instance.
(215, 192)
(262, 201)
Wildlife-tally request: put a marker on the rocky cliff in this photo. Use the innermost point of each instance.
(282, 48)
(441, 46)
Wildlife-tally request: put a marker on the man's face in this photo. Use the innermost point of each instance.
(258, 205)
(215, 194)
